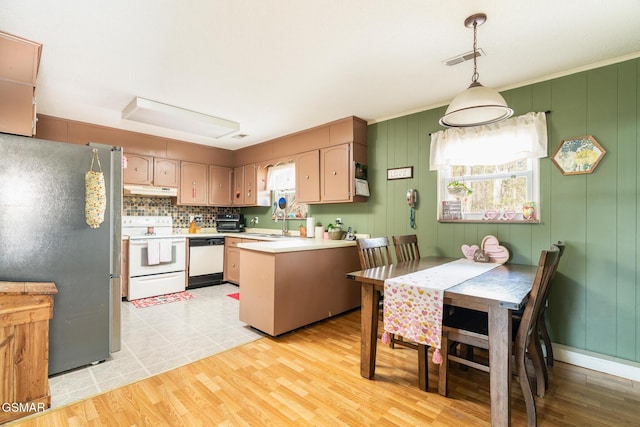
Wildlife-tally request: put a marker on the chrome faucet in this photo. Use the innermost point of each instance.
(285, 230)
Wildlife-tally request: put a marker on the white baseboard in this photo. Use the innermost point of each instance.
(597, 362)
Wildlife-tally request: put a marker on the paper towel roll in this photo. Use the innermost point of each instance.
(310, 226)
(319, 232)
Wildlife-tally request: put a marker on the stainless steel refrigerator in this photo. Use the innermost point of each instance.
(44, 237)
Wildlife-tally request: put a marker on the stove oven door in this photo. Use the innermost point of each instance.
(139, 264)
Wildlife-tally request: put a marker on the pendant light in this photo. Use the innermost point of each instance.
(478, 105)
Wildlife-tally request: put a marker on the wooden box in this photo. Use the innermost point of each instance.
(25, 310)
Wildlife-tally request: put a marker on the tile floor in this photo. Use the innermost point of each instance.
(156, 339)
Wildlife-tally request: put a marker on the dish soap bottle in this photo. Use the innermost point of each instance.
(192, 227)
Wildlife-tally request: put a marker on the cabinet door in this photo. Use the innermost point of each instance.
(17, 108)
(263, 196)
(336, 180)
(194, 179)
(139, 170)
(308, 177)
(238, 186)
(166, 173)
(21, 59)
(250, 185)
(232, 260)
(219, 186)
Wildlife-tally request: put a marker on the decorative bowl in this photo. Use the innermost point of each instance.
(336, 234)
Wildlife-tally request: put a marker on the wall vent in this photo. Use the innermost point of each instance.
(468, 56)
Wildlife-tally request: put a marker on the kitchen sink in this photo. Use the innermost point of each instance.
(271, 236)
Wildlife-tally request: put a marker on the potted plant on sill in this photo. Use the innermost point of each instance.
(458, 188)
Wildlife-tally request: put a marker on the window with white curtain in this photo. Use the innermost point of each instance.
(282, 177)
(492, 170)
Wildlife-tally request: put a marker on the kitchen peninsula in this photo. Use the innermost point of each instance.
(293, 282)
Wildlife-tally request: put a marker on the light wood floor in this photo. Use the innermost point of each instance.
(312, 377)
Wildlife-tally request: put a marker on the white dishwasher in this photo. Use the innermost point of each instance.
(206, 261)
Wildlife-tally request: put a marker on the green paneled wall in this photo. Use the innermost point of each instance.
(595, 301)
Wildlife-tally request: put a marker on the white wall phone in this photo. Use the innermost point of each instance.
(412, 197)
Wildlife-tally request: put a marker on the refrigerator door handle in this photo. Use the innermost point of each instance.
(115, 313)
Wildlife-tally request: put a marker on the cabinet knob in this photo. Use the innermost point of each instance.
(136, 169)
(166, 172)
(335, 173)
(306, 177)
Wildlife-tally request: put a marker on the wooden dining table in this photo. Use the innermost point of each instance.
(497, 292)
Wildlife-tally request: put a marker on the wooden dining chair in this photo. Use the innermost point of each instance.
(406, 247)
(375, 252)
(542, 321)
(535, 353)
(473, 329)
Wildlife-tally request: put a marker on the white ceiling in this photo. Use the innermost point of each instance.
(281, 66)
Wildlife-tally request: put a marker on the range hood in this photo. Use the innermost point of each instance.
(147, 190)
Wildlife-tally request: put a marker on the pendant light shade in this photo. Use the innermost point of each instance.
(478, 105)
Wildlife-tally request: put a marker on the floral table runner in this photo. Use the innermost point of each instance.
(413, 302)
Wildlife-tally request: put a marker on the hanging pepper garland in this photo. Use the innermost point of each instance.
(95, 194)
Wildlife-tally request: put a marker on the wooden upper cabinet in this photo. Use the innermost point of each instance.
(245, 185)
(22, 59)
(350, 129)
(308, 177)
(220, 185)
(335, 172)
(139, 170)
(194, 184)
(263, 195)
(18, 73)
(250, 185)
(238, 186)
(166, 172)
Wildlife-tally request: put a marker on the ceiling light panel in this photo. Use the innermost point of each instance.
(176, 118)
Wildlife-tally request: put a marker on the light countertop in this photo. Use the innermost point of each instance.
(271, 241)
(295, 244)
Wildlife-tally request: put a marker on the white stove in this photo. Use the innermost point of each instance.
(157, 258)
(142, 227)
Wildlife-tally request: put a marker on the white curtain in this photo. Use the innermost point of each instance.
(502, 142)
(282, 177)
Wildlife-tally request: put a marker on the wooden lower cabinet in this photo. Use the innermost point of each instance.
(232, 258)
(25, 311)
(284, 291)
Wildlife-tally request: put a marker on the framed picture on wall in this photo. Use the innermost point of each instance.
(578, 155)
(400, 173)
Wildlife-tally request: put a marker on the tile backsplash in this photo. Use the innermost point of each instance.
(161, 206)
